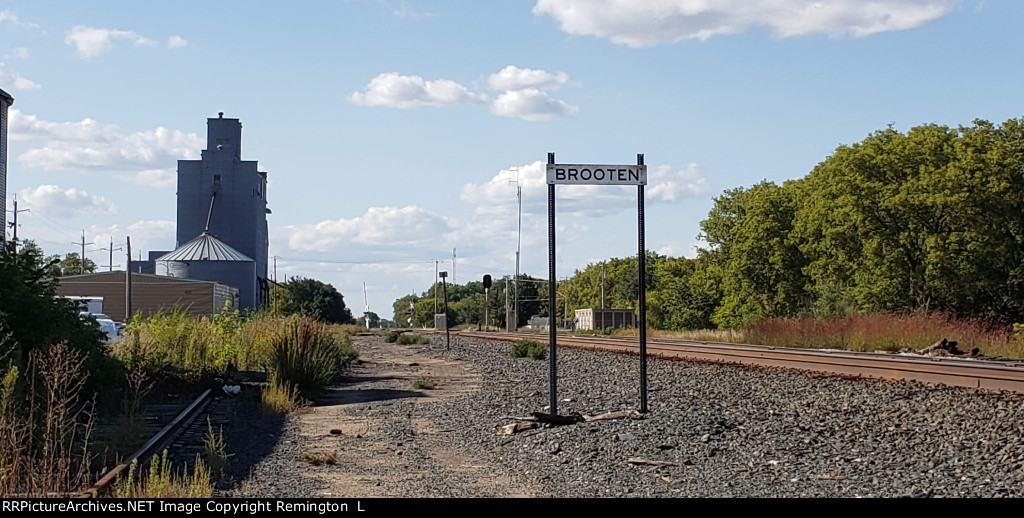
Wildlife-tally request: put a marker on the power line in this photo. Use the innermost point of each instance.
(334, 261)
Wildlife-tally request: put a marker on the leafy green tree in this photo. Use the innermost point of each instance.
(72, 265)
(749, 231)
(315, 299)
(32, 316)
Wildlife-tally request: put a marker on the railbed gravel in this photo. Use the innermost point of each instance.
(729, 431)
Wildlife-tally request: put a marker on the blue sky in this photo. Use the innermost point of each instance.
(390, 129)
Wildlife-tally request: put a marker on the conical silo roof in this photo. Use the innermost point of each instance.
(205, 248)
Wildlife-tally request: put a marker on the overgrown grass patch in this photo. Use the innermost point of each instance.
(885, 332)
(161, 481)
(279, 397)
(412, 339)
(528, 349)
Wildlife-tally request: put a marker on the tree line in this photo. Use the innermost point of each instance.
(469, 304)
(927, 220)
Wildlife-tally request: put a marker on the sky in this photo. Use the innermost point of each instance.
(394, 131)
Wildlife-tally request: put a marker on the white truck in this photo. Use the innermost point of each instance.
(93, 307)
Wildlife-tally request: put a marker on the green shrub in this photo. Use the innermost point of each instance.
(412, 339)
(423, 384)
(308, 356)
(391, 336)
(528, 349)
(192, 347)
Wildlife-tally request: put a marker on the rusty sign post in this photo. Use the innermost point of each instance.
(578, 174)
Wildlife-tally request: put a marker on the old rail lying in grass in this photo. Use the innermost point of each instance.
(154, 445)
(974, 373)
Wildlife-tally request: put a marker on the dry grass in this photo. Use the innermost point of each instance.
(279, 397)
(731, 336)
(885, 332)
(45, 425)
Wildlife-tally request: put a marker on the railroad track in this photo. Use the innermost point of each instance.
(974, 373)
(182, 424)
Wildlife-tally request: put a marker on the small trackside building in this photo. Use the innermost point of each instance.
(150, 293)
(603, 318)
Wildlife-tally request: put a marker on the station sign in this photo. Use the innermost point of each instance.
(584, 174)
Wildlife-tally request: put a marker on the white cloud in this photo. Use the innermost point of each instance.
(11, 18)
(654, 22)
(146, 235)
(90, 42)
(497, 197)
(679, 250)
(157, 178)
(404, 11)
(532, 105)
(176, 42)
(668, 184)
(17, 53)
(14, 80)
(398, 91)
(393, 228)
(51, 200)
(90, 145)
(515, 78)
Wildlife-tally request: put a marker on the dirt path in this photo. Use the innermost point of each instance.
(377, 432)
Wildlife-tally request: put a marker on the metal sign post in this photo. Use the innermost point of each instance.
(642, 260)
(552, 331)
(579, 174)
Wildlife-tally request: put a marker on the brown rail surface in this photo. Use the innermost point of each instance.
(153, 445)
(974, 373)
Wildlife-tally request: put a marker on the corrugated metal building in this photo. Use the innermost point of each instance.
(5, 102)
(150, 293)
(226, 197)
(207, 258)
(602, 318)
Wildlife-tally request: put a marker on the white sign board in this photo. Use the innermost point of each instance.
(582, 174)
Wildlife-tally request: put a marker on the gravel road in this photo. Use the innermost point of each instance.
(725, 432)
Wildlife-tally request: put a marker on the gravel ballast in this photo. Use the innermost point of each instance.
(725, 431)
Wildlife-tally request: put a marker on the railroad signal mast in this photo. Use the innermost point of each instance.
(487, 301)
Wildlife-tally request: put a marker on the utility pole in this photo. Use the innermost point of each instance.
(506, 303)
(110, 265)
(519, 243)
(435, 287)
(453, 266)
(83, 243)
(128, 283)
(274, 295)
(565, 295)
(15, 222)
(604, 276)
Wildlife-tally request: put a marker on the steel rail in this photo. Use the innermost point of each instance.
(153, 445)
(973, 373)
